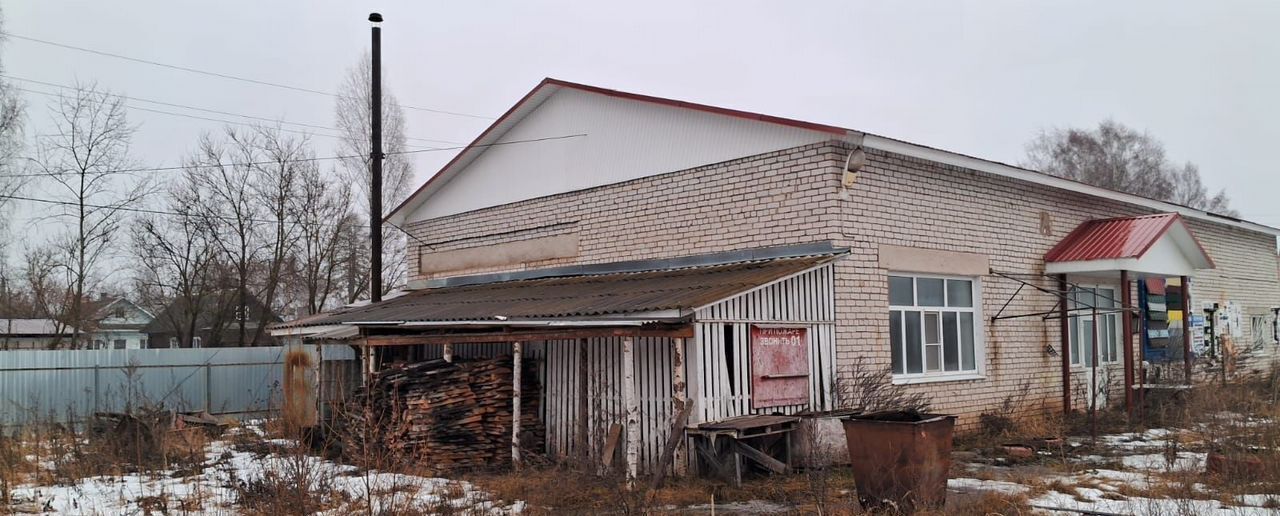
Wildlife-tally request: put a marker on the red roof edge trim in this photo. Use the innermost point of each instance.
(840, 131)
(747, 115)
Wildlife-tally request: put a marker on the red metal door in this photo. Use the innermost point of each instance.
(779, 366)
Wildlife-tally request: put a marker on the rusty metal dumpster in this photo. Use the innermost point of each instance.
(900, 459)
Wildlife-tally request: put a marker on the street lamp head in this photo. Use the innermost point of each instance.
(375, 17)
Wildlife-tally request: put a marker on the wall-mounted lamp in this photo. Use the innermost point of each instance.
(852, 164)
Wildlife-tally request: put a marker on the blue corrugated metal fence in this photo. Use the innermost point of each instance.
(66, 386)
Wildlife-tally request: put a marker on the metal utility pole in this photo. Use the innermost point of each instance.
(375, 164)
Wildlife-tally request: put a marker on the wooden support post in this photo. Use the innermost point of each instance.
(448, 352)
(632, 406)
(582, 438)
(1126, 325)
(679, 404)
(515, 404)
(366, 354)
(1065, 344)
(1186, 330)
(1093, 376)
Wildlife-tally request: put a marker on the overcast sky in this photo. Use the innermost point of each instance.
(979, 78)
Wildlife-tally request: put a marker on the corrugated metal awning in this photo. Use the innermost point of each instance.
(666, 295)
(1160, 243)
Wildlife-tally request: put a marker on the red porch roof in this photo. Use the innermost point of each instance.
(1118, 238)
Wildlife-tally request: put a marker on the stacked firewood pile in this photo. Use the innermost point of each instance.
(443, 416)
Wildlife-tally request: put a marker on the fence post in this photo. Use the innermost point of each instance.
(208, 388)
(97, 385)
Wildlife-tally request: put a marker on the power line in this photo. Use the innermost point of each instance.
(184, 106)
(225, 75)
(300, 160)
(198, 215)
(197, 117)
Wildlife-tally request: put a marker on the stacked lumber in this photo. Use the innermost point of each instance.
(444, 416)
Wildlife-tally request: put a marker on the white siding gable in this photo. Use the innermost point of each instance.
(624, 139)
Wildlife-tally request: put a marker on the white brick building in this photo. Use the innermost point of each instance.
(575, 180)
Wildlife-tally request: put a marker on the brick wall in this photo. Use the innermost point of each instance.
(778, 198)
(793, 196)
(907, 201)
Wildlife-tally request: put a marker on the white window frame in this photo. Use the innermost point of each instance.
(173, 342)
(979, 329)
(1078, 362)
(196, 342)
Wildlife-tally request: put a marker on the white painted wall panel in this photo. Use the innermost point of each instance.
(625, 139)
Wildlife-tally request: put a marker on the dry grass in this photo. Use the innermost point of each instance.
(984, 504)
(566, 490)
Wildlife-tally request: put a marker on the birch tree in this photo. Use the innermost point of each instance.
(1117, 157)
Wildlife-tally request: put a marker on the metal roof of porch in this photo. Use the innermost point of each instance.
(1157, 244)
(658, 295)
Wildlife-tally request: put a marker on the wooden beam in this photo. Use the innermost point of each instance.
(515, 404)
(685, 331)
(610, 447)
(678, 420)
(760, 457)
(632, 406)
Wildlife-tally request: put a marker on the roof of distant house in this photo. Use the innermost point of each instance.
(33, 327)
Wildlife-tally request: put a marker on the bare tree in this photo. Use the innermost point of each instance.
(353, 118)
(1188, 190)
(324, 219)
(82, 164)
(176, 261)
(1117, 157)
(46, 284)
(248, 183)
(11, 118)
(283, 162)
(223, 174)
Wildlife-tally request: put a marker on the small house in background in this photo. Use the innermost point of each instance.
(117, 323)
(213, 321)
(33, 334)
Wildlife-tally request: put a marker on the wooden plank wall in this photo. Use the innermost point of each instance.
(720, 378)
(604, 394)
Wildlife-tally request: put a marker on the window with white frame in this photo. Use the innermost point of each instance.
(173, 342)
(1084, 299)
(195, 342)
(933, 325)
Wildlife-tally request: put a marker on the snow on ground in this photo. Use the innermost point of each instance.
(211, 490)
(1093, 501)
(1139, 461)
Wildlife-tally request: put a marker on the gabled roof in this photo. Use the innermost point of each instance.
(535, 97)
(1130, 243)
(33, 327)
(653, 295)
